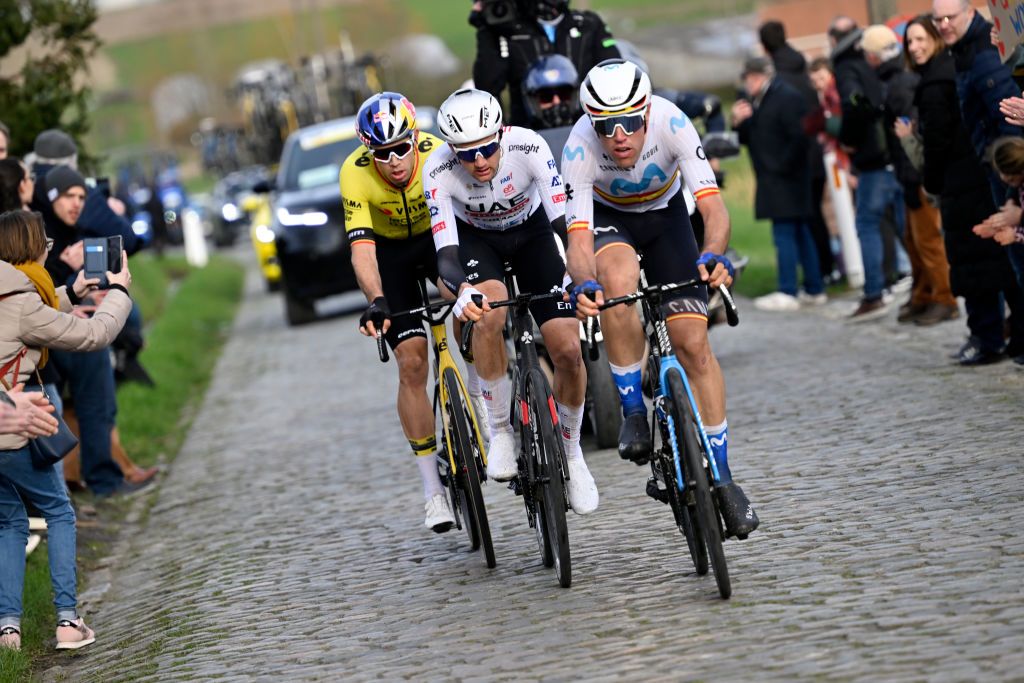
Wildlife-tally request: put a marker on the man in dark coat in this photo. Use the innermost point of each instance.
(982, 82)
(862, 97)
(769, 123)
(504, 52)
(979, 271)
(791, 67)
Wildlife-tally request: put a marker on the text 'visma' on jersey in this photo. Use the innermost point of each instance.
(371, 202)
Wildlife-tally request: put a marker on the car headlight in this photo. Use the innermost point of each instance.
(264, 234)
(230, 212)
(307, 218)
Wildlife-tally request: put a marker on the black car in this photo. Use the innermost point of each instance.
(228, 203)
(307, 215)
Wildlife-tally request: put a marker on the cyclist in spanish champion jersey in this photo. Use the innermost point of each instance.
(388, 227)
(484, 189)
(625, 163)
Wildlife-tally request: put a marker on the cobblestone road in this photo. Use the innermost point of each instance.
(286, 542)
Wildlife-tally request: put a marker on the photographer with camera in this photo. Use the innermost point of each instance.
(513, 34)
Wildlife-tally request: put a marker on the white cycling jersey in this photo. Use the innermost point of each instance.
(527, 177)
(672, 146)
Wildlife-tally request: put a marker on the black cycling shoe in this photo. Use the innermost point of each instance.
(635, 439)
(740, 518)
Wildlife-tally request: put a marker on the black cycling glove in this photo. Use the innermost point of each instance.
(377, 311)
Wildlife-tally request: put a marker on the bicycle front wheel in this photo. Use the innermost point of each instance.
(466, 454)
(684, 515)
(549, 455)
(697, 480)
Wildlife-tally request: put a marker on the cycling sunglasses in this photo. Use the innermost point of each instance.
(468, 154)
(630, 123)
(547, 95)
(401, 151)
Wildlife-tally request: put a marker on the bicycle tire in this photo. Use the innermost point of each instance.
(468, 475)
(696, 475)
(549, 458)
(684, 514)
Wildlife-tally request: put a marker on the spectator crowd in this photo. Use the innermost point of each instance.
(57, 328)
(926, 130)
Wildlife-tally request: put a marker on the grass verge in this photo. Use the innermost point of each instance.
(187, 333)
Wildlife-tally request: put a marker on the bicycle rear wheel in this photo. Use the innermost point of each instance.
(697, 480)
(549, 456)
(465, 452)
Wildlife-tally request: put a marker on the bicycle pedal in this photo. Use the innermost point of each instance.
(515, 487)
(658, 494)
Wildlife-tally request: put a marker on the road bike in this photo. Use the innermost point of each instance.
(461, 460)
(682, 462)
(541, 463)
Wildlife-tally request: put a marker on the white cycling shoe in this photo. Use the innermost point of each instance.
(502, 456)
(439, 514)
(581, 489)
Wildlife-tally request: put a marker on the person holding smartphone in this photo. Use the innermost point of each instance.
(35, 318)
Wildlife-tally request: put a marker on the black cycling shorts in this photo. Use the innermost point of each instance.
(664, 239)
(402, 264)
(530, 250)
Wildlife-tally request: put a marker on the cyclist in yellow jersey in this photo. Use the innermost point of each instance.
(388, 226)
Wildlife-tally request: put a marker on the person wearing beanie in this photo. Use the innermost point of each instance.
(59, 181)
(64, 200)
(55, 147)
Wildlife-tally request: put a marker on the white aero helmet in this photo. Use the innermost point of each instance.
(469, 115)
(615, 87)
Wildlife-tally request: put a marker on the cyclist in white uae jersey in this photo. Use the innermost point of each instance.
(484, 189)
(622, 163)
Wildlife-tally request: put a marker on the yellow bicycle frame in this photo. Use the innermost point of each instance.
(443, 360)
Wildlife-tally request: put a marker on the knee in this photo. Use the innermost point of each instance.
(565, 354)
(412, 368)
(490, 325)
(13, 519)
(695, 355)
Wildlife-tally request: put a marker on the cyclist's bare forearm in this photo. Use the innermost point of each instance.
(364, 263)
(580, 261)
(716, 221)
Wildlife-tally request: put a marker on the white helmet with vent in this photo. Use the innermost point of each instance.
(615, 87)
(469, 115)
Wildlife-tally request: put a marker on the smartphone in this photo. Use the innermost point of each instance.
(102, 254)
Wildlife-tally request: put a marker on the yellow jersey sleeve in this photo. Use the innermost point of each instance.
(356, 196)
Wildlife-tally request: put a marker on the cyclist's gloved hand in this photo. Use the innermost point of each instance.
(590, 289)
(587, 287)
(377, 313)
(707, 257)
(464, 300)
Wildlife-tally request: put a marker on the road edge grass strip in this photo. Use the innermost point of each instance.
(182, 348)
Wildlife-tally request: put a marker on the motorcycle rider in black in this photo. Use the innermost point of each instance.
(513, 34)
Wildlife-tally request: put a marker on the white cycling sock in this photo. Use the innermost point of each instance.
(472, 380)
(497, 397)
(428, 473)
(570, 419)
